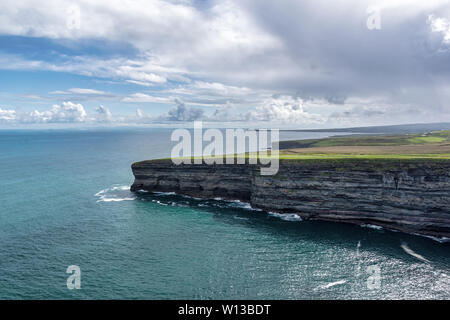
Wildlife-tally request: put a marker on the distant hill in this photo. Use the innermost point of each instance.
(437, 142)
(395, 129)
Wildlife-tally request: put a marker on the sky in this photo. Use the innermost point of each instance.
(287, 64)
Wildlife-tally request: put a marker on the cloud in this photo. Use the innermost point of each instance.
(103, 114)
(67, 112)
(182, 113)
(233, 54)
(81, 94)
(80, 91)
(143, 97)
(352, 113)
(283, 109)
(140, 83)
(7, 115)
(227, 113)
(176, 40)
(179, 113)
(216, 88)
(440, 25)
(139, 113)
(139, 77)
(214, 94)
(279, 109)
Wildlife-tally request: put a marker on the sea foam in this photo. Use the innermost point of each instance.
(115, 194)
(286, 216)
(332, 284)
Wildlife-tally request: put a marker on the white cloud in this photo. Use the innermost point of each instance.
(284, 109)
(67, 112)
(220, 89)
(140, 83)
(81, 94)
(182, 39)
(140, 76)
(441, 25)
(143, 97)
(81, 91)
(180, 112)
(216, 94)
(85, 91)
(139, 113)
(7, 115)
(59, 92)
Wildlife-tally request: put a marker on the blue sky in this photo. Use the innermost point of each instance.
(290, 64)
(29, 88)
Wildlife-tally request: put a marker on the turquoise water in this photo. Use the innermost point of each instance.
(64, 200)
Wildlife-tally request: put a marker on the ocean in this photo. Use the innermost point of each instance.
(65, 200)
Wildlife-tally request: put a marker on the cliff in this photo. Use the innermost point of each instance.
(407, 195)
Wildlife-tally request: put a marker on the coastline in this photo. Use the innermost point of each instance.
(411, 196)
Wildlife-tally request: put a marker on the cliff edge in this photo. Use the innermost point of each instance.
(407, 195)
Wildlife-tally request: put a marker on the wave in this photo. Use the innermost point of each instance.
(205, 202)
(227, 203)
(160, 193)
(160, 203)
(115, 194)
(239, 218)
(440, 240)
(372, 226)
(332, 284)
(286, 216)
(119, 193)
(412, 253)
(239, 204)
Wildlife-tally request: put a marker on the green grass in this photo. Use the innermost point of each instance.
(425, 140)
(445, 156)
(397, 140)
(336, 156)
(378, 140)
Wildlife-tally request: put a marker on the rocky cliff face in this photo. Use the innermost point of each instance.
(410, 196)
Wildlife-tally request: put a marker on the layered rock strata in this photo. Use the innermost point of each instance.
(407, 195)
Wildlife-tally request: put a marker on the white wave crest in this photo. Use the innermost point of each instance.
(239, 218)
(115, 194)
(164, 193)
(240, 204)
(286, 216)
(440, 240)
(332, 284)
(372, 226)
(159, 202)
(412, 253)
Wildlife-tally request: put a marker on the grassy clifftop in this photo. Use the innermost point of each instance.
(421, 146)
(432, 145)
(373, 140)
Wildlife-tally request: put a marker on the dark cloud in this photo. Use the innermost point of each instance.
(182, 113)
(334, 54)
(103, 114)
